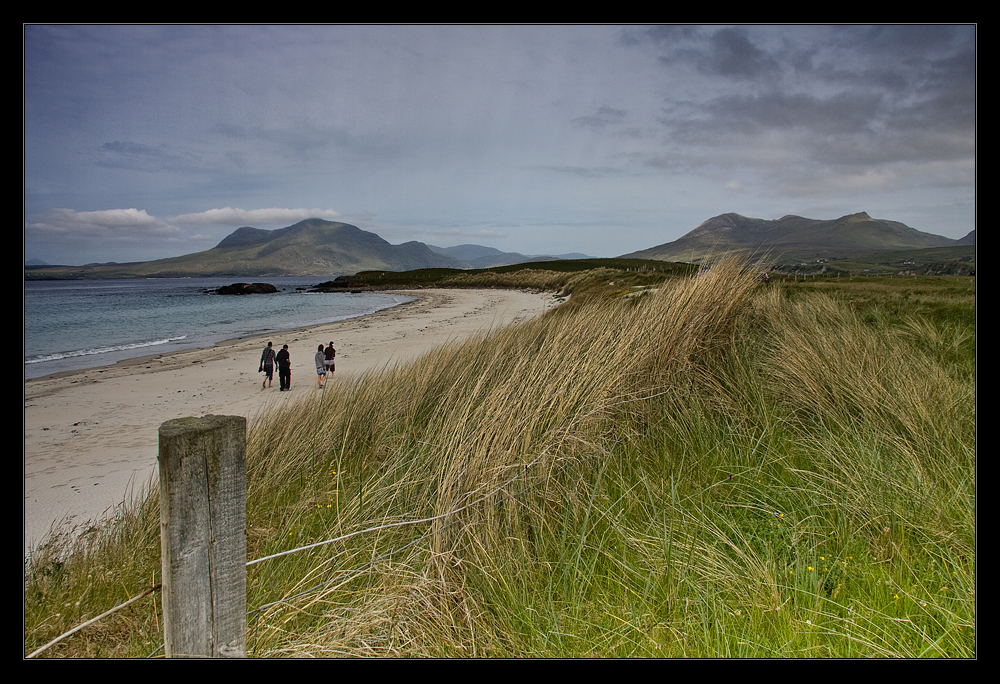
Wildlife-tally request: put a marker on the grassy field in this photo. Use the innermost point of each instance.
(699, 467)
(932, 261)
(561, 274)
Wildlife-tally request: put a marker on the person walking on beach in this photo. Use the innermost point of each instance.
(267, 366)
(320, 367)
(284, 369)
(329, 355)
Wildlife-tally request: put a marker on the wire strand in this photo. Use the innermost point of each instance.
(93, 620)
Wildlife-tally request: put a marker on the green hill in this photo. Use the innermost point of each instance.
(310, 247)
(794, 239)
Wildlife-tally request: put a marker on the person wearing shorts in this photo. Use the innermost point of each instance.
(320, 367)
(267, 366)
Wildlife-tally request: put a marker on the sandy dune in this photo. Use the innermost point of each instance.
(90, 437)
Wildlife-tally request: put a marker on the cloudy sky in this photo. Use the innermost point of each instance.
(142, 142)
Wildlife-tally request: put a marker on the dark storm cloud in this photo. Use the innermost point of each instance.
(726, 52)
(841, 95)
(888, 58)
(531, 128)
(733, 55)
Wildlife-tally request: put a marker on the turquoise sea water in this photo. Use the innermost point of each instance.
(69, 325)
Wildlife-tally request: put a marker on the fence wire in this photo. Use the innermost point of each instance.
(352, 573)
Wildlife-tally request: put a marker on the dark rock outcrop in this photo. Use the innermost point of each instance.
(246, 289)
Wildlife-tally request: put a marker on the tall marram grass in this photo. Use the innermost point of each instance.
(712, 470)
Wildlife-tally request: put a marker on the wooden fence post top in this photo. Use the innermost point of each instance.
(181, 425)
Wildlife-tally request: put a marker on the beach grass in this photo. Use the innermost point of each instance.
(697, 467)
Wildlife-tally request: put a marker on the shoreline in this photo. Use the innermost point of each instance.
(260, 338)
(91, 434)
(292, 313)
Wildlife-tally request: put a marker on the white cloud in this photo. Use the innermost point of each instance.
(230, 216)
(109, 223)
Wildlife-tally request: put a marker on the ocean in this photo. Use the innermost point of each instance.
(76, 324)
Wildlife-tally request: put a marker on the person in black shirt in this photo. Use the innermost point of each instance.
(284, 369)
(330, 355)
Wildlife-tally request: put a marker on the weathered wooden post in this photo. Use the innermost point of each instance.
(203, 544)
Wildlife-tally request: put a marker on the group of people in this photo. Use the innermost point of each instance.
(324, 365)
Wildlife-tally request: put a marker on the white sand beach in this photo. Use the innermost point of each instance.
(90, 436)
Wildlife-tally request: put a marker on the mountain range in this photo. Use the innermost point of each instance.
(478, 256)
(310, 247)
(315, 247)
(792, 239)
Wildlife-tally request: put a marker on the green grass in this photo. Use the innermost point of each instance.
(560, 274)
(931, 261)
(714, 469)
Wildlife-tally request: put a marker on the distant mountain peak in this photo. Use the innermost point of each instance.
(244, 237)
(794, 237)
(721, 222)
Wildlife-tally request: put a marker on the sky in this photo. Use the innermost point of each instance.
(143, 142)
